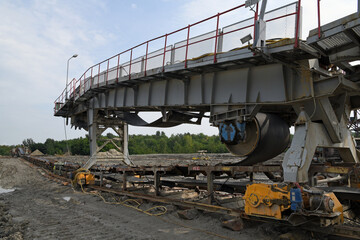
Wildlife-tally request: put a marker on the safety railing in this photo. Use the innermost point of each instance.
(140, 59)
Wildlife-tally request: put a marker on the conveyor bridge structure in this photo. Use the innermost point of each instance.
(253, 78)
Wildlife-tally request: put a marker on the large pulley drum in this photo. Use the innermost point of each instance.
(261, 139)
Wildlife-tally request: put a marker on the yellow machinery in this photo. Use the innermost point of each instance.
(266, 200)
(83, 177)
(273, 200)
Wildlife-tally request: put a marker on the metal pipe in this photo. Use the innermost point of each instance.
(146, 56)
(296, 45)
(216, 37)
(262, 10)
(107, 72)
(334, 179)
(130, 64)
(187, 46)
(117, 69)
(256, 16)
(166, 35)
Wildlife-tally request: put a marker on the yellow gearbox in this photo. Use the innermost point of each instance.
(267, 200)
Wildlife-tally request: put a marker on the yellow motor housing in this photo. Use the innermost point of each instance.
(266, 200)
(83, 177)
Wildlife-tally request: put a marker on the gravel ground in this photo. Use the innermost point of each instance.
(41, 208)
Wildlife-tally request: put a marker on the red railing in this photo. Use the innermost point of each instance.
(77, 88)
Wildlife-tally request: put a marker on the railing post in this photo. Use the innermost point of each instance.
(107, 72)
(84, 81)
(80, 88)
(73, 88)
(216, 37)
(166, 35)
(146, 55)
(319, 28)
(117, 69)
(98, 76)
(256, 17)
(130, 64)
(83, 86)
(296, 45)
(91, 83)
(187, 46)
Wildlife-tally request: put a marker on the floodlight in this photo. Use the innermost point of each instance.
(246, 39)
(249, 3)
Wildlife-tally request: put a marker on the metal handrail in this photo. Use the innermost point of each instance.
(83, 81)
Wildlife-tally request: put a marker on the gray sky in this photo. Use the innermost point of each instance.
(38, 36)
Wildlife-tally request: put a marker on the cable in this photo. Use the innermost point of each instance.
(162, 209)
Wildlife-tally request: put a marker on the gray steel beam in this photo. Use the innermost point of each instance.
(92, 126)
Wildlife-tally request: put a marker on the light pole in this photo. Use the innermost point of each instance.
(67, 75)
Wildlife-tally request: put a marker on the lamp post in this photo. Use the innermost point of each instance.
(67, 75)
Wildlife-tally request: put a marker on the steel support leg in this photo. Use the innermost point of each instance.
(101, 178)
(157, 182)
(122, 131)
(210, 186)
(124, 181)
(308, 136)
(92, 131)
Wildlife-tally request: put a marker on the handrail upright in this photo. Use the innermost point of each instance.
(216, 36)
(117, 69)
(187, 46)
(319, 26)
(91, 78)
(296, 45)
(130, 64)
(146, 56)
(107, 72)
(163, 65)
(98, 76)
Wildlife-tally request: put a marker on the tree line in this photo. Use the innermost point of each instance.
(138, 144)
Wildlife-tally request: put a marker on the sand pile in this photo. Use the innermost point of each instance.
(111, 154)
(36, 153)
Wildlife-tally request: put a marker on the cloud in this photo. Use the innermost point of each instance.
(133, 5)
(36, 39)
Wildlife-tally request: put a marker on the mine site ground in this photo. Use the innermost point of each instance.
(34, 206)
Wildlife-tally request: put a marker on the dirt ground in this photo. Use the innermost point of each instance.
(41, 208)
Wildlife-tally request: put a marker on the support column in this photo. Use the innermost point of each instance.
(124, 181)
(92, 131)
(122, 131)
(157, 182)
(210, 186)
(101, 178)
(126, 145)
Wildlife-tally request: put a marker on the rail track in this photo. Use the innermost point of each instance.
(125, 184)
